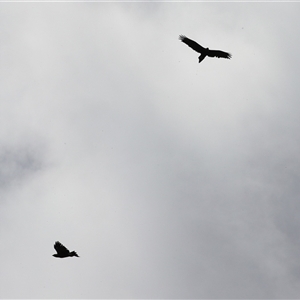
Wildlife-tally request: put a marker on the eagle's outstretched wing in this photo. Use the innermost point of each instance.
(195, 46)
(61, 249)
(218, 53)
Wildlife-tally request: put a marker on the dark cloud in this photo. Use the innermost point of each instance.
(18, 163)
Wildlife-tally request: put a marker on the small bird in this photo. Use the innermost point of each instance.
(62, 251)
(203, 51)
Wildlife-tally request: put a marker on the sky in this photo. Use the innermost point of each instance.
(169, 178)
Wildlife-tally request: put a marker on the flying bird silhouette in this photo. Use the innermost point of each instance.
(203, 51)
(62, 251)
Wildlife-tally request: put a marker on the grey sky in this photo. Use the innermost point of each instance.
(171, 179)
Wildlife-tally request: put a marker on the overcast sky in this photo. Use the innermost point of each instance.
(171, 179)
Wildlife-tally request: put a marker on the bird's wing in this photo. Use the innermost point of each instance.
(60, 248)
(219, 53)
(195, 46)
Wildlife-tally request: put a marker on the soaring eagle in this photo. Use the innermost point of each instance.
(203, 51)
(62, 251)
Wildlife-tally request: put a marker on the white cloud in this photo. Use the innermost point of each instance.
(169, 178)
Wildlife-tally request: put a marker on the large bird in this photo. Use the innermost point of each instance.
(62, 251)
(203, 51)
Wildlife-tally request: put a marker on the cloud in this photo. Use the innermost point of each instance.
(169, 178)
(16, 164)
